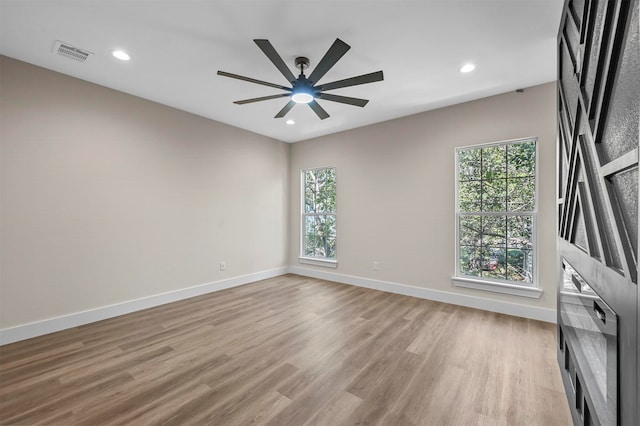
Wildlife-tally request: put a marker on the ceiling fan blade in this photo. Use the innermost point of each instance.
(253, 80)
(353, 81)
(320, 112)
(335, 52)
(274, 57)
(285, 110)
(343, 99)
(264, 98)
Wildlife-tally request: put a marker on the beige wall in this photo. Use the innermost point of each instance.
(396, 186)
(108, 198)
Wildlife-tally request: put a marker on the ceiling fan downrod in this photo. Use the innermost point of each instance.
(302, 63)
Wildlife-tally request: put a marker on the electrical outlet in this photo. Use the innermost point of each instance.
(223, 265)
(376, 266)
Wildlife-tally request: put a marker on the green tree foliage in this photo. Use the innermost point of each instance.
(496, 201)
(319, 213)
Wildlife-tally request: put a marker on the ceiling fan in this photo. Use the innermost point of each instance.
(305, 89)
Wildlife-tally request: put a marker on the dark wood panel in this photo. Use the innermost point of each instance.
(599, 102)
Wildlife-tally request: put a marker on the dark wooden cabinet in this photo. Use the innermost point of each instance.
(598, 145)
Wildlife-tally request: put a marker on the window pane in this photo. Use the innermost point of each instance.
(494, 182)
(493, 262)
(310, 245)
(330, 248)
(494, 231)
(494, 195)
(309, 235)
(494, 162)
(469, 196)
(320, 191)
(520, 265)
(470, 230)
(470, 260)
(309, 197)
(327, 192)
(521, 194)
(469, 164)
(328, 228)
(520, 232)
(320, 236)
(521, 159)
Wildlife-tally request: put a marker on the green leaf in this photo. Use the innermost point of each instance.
(494, 162)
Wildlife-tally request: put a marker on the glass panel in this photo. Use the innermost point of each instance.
(496, 245)
(469, 196)
(494, 231)
(493, 262)
(309, 197)
(470, 230)
(594, 341)
(320, 190)
(521, 159)
(309, 235)
(562, 166)
(520, 232)
(470, 260)
(521, 194)
(579, 231)
(494, 162)
(494, 194)
(620, 133)
(590, 170)
(569, 84)
(320, 236)
(626, 190)
(577, 9)
(599, 6)
(572, 38)
(469, 163)
(520, 265)
(330, 246)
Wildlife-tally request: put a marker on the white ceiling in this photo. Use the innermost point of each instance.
(178, 45)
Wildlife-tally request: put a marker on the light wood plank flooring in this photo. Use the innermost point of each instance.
(289, 351)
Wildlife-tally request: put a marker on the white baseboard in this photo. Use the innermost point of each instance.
(525, 311)
(39, 328)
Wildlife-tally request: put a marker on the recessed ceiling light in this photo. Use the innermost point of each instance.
(467, 68)
(290, 122)
(121, 54)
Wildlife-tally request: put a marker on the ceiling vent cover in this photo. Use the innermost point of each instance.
(71, 52)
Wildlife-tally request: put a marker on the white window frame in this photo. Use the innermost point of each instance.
(496, 285)
(313, 260)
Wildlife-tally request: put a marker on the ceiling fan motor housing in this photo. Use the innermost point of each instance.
(302, 63)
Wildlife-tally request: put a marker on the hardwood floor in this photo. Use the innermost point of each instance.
(289, 351)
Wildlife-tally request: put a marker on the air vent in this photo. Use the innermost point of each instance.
(71, 52)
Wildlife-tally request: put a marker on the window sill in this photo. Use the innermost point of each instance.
(497, 287)
(319, 262)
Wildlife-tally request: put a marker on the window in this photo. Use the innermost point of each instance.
(496, 215)
(319, 216)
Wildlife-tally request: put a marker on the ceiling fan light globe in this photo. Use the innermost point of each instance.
(302, 97)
